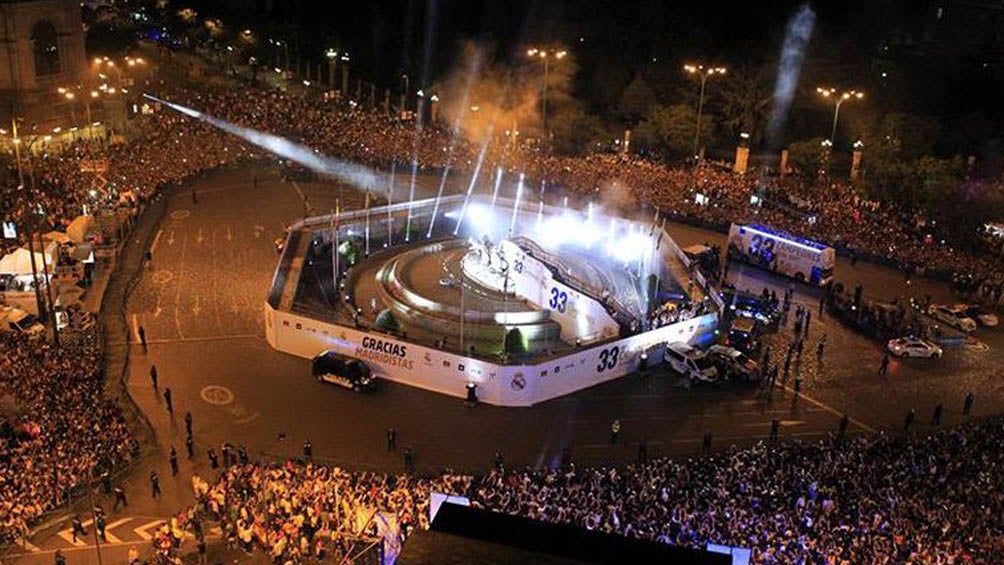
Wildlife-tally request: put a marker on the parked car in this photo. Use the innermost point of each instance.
(344, 371)
(690, 362)
(732, 361)
(16, 320)
(914, 347)
(744, 334)
(952, 316)
(985, 317)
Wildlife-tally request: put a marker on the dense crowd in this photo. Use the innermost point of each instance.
(56, 430)
(295, 511)
(168, 147)
(880, 499)
(870, 500)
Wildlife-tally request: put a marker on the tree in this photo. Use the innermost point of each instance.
(349, 251)
(386, 322)
(746, 97)
(576, 132)
(671, 129)
(635, 100)
(909, 135)
(515, 343)
(805, 156)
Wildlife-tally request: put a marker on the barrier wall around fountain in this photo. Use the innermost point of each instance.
(448, 373)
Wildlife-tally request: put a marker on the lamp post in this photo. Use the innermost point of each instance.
(705, 73)
(345, 74)
(404, 93)
(545, 56)
(831, 94)
(332, 56)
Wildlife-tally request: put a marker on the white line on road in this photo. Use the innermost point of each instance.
(205, 338)
(84, 547)
(156, 240)
(108, 534)
(833, 410)
(28, 546)
(135, 328)
(783, 423)
(142, 530)
(68, 536)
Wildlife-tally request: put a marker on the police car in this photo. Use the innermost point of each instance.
(342, 370)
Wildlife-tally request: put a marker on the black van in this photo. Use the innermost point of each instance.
(343, 370)
(744, 335)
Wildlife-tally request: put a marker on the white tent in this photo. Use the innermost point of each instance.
(18, 262)
(78, 228)
(57, 236)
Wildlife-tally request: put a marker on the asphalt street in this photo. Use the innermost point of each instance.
(201, 307)
(200, 302)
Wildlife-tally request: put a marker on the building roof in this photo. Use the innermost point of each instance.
(462, 534)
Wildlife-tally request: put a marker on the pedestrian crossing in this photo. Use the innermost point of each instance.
(125, 531)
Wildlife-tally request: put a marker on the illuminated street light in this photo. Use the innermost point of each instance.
(705, 73)
(831, 94)
(545, 55)
(332, 56)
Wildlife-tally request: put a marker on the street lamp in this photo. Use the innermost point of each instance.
(404, 93)
(545, 56)
(332, 56)
(705, 73)
(831, 94)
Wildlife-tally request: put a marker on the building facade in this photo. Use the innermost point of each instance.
(43, 50)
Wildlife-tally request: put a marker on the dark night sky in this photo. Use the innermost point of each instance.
(952, 78)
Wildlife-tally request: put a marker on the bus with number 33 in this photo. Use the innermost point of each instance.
(801, 259)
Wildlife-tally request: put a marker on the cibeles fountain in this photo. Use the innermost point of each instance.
(522, 300)
(527, 301)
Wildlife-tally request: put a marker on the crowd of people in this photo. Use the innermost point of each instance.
(168, 147)
(865, 501)
(57, 432)
(935, 498)
(297, 511)
(931, 499)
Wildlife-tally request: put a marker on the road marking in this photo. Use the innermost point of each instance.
(108, 534)
(28, 546)
(67, 535)
(832, 410)
(217, 395)
(142, 530)
(230, 234)
(221, 188)
(747, 437)
(199, 237)
(135, 329)
(206, 338)
(783, 424)
(170, 238)
(250, 418)
(84, 547)
(180, 214)
(162, 276)
(196, 308)
(156, 240)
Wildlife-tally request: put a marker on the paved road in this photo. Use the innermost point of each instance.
(203, 321)
(121, 533)
(849, 379)
(200, 303)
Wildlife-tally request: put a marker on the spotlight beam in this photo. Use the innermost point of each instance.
(357, 175)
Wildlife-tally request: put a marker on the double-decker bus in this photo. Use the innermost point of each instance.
(779, 252)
